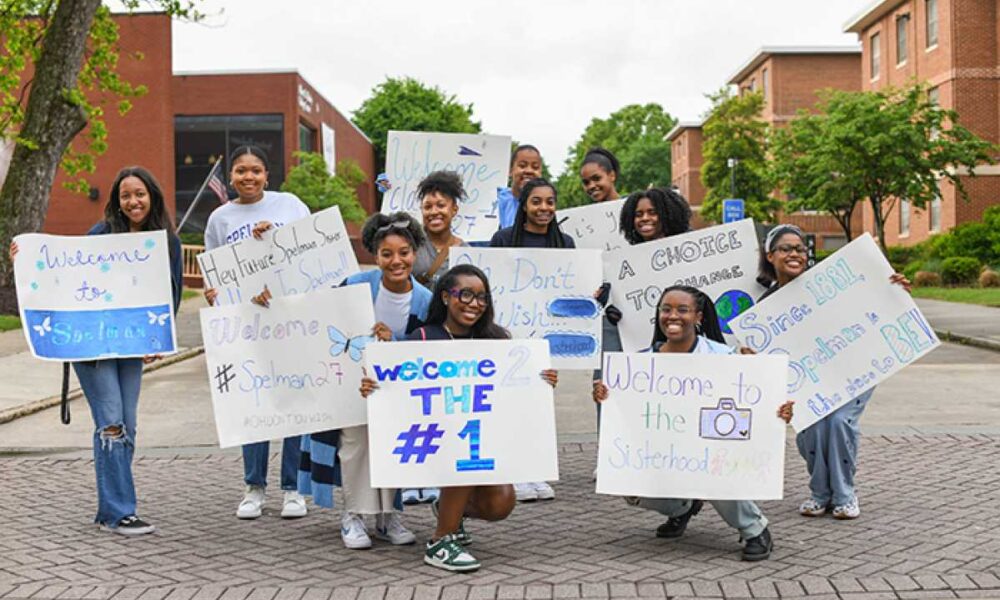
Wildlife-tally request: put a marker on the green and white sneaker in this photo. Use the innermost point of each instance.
(448, 554)
(462, 536)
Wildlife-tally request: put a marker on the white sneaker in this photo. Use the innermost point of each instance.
(525, 492)
(294, 505)
(851, 510)
(389, 527)
(354, 533)
(253, 502)
(544, 491)
(811, 508)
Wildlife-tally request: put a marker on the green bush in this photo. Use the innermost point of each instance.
(911, 269)
(193, 238)
(960, 270)
(821, 254)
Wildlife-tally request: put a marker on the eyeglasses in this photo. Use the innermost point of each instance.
(789, 249)
(466, 296)
(682, 310)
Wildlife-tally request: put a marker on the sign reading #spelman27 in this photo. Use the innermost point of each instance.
(92, 297)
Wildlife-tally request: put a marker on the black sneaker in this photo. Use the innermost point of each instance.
(758, 548)
(675, 526)
(133, 525)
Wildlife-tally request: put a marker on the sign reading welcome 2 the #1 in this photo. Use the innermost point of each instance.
(844, 327)
(97, 296)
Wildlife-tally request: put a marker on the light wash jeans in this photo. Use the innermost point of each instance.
(611, 341)
(255, 458)
(830, 448)
(112, 390)
(742, 515)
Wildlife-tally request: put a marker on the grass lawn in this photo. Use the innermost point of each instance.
(187, 293)
(8, 322)
(981, 296)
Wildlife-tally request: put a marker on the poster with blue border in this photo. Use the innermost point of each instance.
(95, 297)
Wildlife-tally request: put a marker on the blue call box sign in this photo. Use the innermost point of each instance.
(732, 210)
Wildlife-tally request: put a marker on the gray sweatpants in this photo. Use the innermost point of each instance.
(743, 515)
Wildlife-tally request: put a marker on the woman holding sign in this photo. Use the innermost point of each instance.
(686, 322)
(111, 386)
(439, 193)
(253, 212)
(525, 165)
(829, 447)
(341, 456)
(462, 309)
(599, 172)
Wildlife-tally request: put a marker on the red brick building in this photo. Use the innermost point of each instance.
(953, 46)
(685, 164)
(188, 120)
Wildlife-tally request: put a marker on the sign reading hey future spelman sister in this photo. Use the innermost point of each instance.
(844, 327)
(308, 254)
(720, 261)
(93, 297)
(467, 412)
(692, 426)
(545, 294)
(290, 369)
(482, 161)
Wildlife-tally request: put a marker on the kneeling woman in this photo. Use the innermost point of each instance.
(681, 313)
(462, 309)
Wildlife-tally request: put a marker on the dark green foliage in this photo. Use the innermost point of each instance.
(960, 270)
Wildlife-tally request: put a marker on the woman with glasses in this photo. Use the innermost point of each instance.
(830, 447)
(461, 309)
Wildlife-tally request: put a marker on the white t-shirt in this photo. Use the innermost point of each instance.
(232, 222)
(393, 309)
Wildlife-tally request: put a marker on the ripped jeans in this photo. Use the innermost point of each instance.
(112, 390)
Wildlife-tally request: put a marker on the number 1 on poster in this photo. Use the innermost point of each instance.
(473, 463)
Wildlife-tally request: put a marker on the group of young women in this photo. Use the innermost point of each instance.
(416, 296)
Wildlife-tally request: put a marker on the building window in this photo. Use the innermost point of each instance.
(932, 22)
(901, 27)
(307, 138)
(875, 54)
(904, 217)
(934, 99)
(763, 84)
(834, 242)
(936, 213)
(753, 85)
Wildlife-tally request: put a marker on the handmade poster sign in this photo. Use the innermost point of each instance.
(720, 261)
(305, 255)
(290, 369)
(96, 296)
(594, 225)
(467, 412)
(692, 426)
(482, 161)
(545, 294)
(843, 326)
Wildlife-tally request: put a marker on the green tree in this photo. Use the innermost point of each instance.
(311, 181)
(636, 134)
(734, 130)
(405, 104)
(58, 65)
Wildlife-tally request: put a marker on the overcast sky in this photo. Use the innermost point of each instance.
(536, 70)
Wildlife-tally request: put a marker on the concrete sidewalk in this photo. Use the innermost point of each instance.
(963, 323)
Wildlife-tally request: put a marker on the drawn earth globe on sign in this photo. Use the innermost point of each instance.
(731, 304)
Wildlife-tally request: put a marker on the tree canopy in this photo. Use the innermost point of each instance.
(311, 181)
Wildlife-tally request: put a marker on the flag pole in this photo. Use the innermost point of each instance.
(197, 196)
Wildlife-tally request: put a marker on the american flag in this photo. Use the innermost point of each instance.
(216, 184)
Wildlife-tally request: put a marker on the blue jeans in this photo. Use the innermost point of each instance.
(255, 463)
(112, 391)
(830, 448)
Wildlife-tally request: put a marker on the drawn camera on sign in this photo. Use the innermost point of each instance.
(725, 421)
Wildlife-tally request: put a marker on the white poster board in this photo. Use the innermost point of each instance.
(290, 369)
(95, 296)
(305, 255)
(692, 426)
(594, 225)
(720, 261)
(545, 294)
(482, 161)
(466, 412)
(843, 326)
(329, 148)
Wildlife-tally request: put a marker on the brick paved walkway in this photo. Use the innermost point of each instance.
(930, 529)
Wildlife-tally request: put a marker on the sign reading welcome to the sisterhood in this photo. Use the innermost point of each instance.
(594, 225)
(844, 327)
(546, 294)
(466, 412)
(290, 369)
(692, 426)
(720, 261)
(482, 161)
(98, 296)
(308, 254)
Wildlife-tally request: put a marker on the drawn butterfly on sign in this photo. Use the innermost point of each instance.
(154, 318)
(354, 346)
(46, 326)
